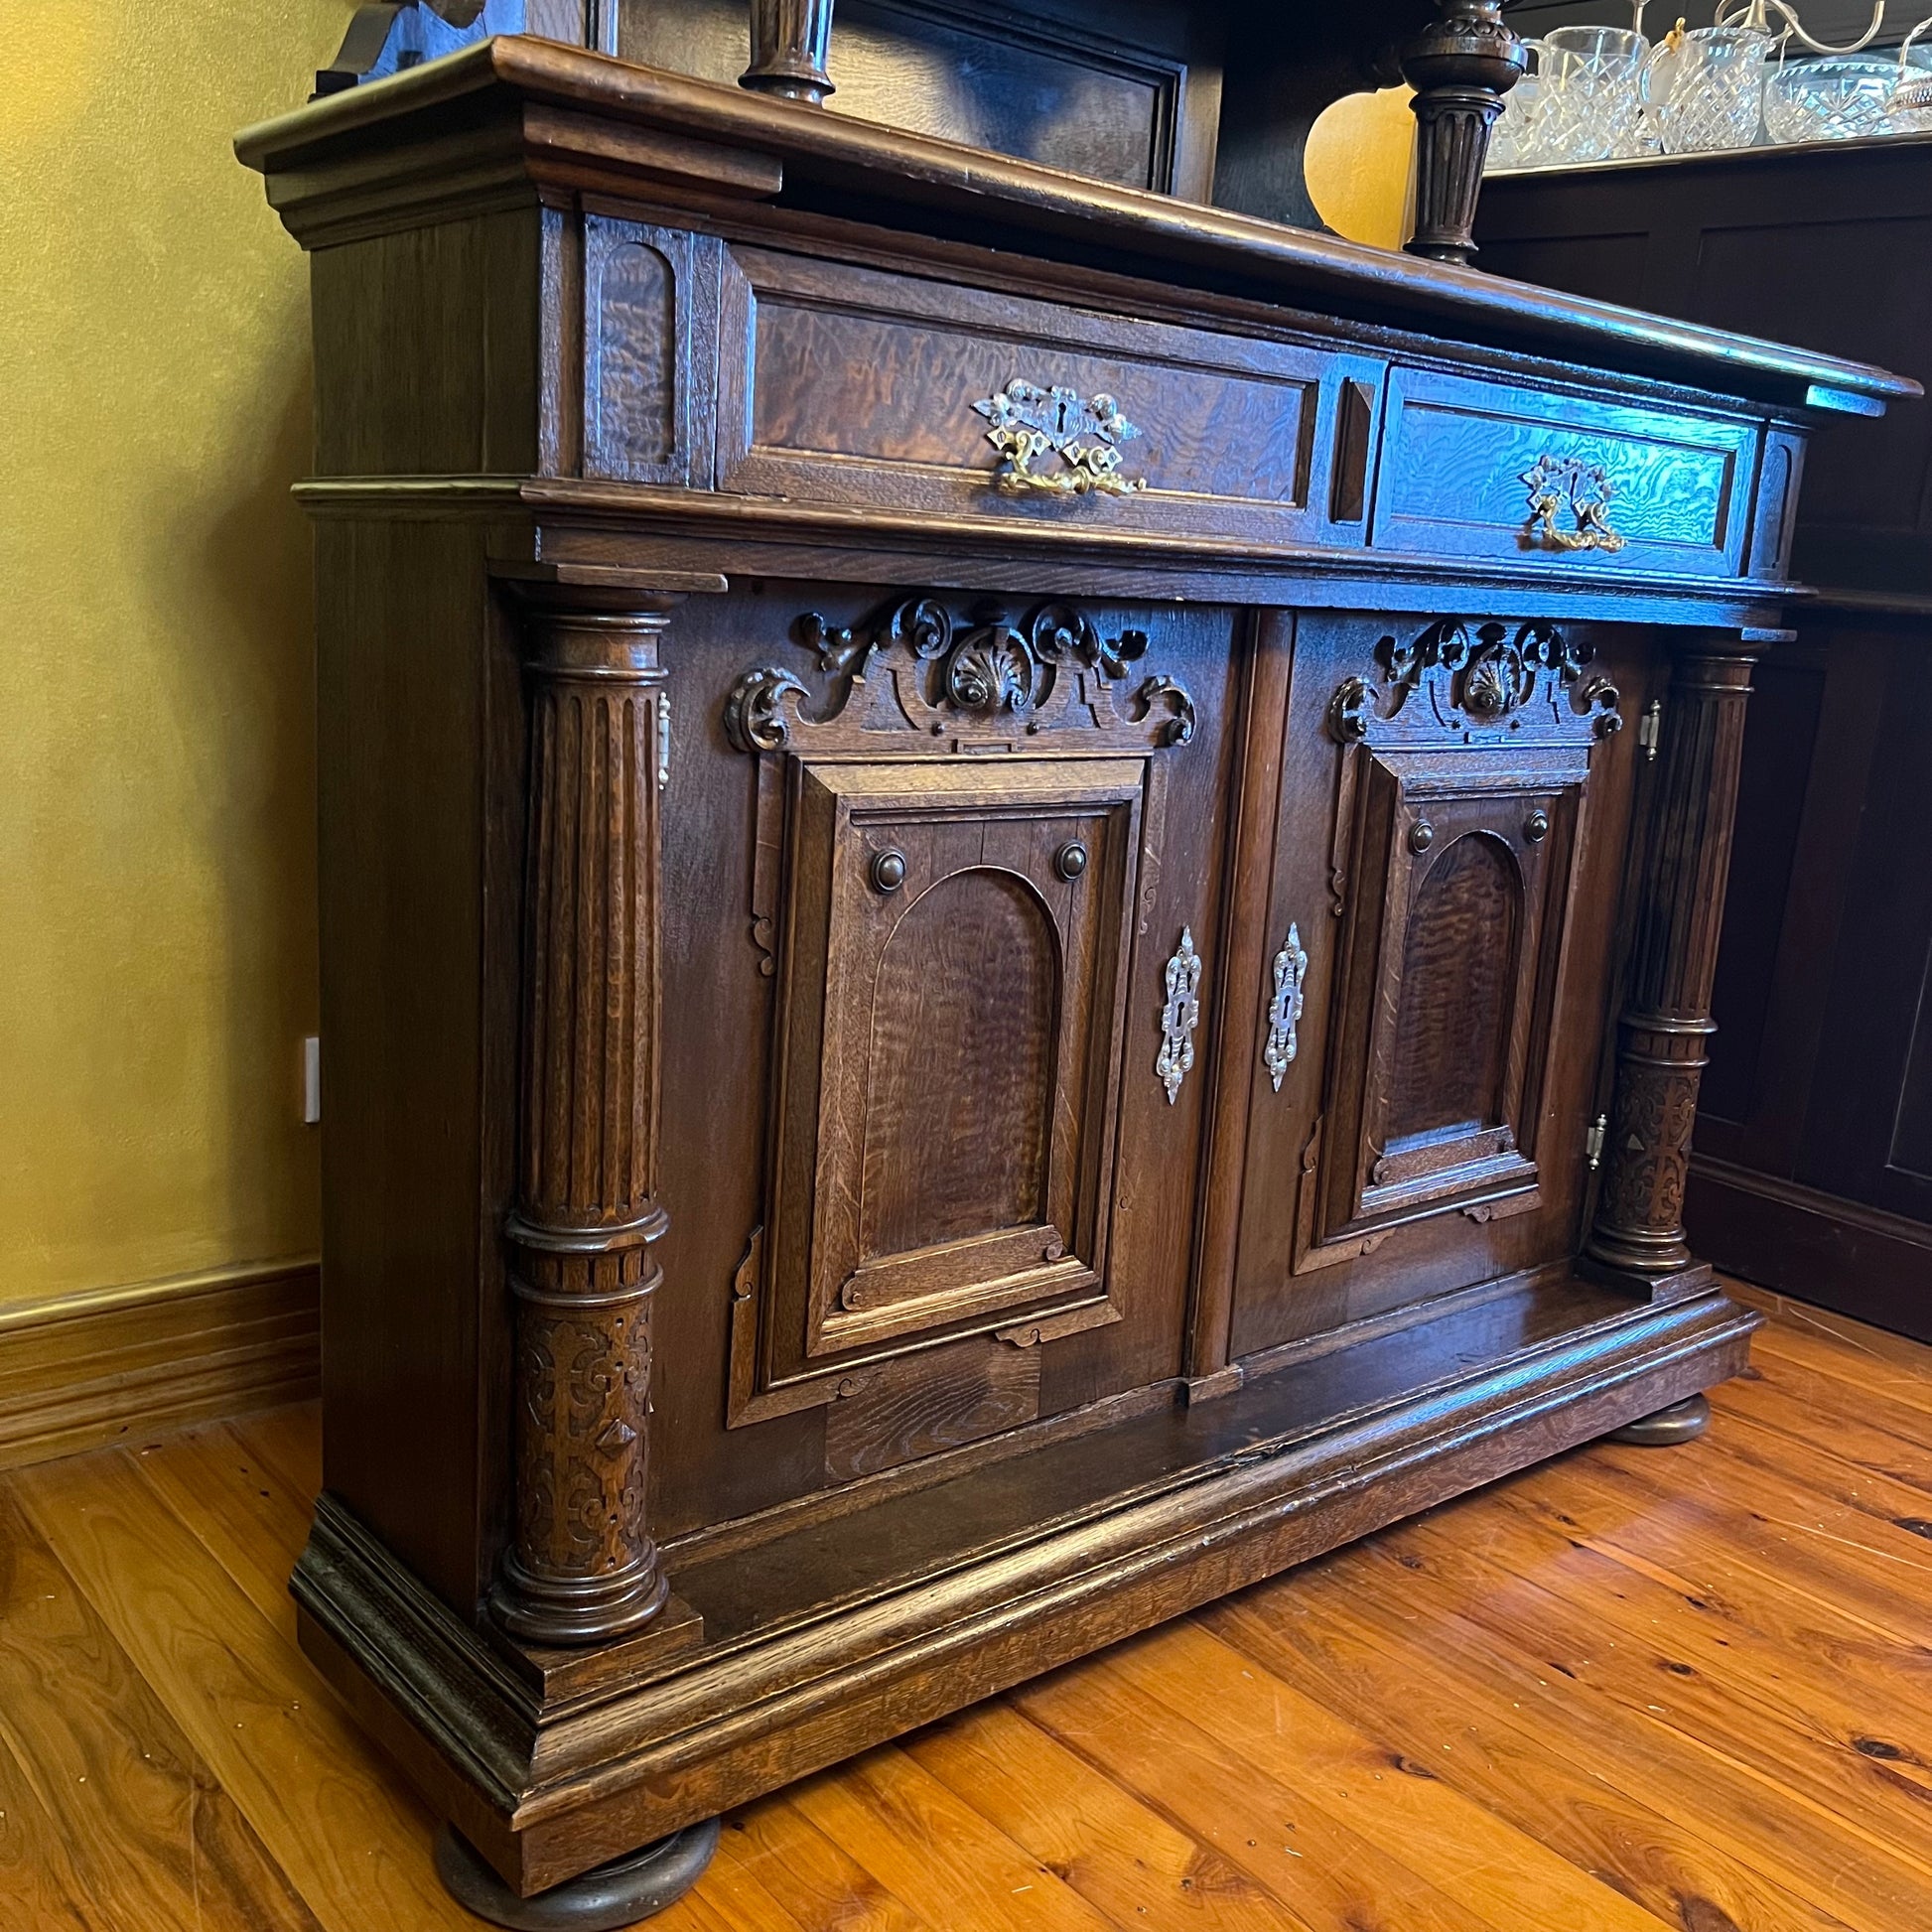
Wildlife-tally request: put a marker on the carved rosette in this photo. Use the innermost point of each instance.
(1666, 1021)
(582, 1567)
(1461, 66)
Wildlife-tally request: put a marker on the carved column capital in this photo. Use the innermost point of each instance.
(1665, 1025)
(582, 1567)
(1461, 66)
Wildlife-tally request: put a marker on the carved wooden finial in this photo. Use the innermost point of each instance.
(1460, 68)
(791, 39)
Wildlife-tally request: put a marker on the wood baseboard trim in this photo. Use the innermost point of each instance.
(125, 1364)
(1815, 1247)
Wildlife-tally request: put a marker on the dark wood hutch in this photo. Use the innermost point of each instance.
(1020, 885)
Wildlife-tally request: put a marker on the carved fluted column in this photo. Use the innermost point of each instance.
(1460, 68)
(582, 1567)
(1666, 1024)
(790, 43)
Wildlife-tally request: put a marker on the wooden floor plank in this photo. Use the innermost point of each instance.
(1490, 1749)
(1620, 1692)
(1702, 1789)
(238, 1507)
(289, 1441)
(955, 1869)
(1790, 1319)
(1313, 1863)
(1505, 1876)
(40, 1888)
(1858, 1366)
(150, 1839)
(355, 1843)
(1900, 1507)
(809, 1875)
(1118, 1854)
(1833, 1681)
(1866, 1430)
(1794, 1728)
(1739, 1519)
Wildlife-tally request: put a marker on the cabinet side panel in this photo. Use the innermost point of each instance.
(427, 349)
(401, 727)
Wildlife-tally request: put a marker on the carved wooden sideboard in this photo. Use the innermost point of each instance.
(1018, 893)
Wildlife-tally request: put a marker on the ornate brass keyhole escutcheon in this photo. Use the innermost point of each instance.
(1080, 435)
(1536, 828)
(1071, 861)
(889, 872)
(1422, 835)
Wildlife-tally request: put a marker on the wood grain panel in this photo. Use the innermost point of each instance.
(953, 1052)
(1229, 426)
(1456, 454)
(1452, 1040)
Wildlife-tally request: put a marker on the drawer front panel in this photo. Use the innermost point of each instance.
(1486, 470)
(844, 386)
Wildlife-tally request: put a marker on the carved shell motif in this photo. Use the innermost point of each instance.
(1492, 683)
(918, 666)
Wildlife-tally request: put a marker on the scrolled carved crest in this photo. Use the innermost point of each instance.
(1489, 683)
(985, 678)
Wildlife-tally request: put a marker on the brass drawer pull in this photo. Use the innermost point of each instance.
(1558, 483)
(1084, 432)
(1285, 1008)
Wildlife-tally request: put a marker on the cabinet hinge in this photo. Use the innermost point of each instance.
(663, 740)
(1594, 1141)
(1650, 727)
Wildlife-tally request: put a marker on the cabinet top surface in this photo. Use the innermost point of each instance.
(562, 103)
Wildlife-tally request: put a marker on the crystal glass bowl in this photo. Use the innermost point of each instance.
(1846, 99)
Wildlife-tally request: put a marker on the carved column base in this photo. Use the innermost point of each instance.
(620, 1893)
(1681, 1422)
(1639, 1225)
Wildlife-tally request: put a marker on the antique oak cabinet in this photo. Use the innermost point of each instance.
(1020, 884)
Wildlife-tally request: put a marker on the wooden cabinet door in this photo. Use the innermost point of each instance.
(1436, 818)
(1461, 869)
(978, 944)
(953, 1013)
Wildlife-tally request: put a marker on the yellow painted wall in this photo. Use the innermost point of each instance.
(157, 833)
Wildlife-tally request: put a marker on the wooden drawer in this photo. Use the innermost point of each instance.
(1466, 464)
(845, 386)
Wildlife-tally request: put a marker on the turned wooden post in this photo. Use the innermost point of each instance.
(1666, 1022)
(790, 41)
(582, 1567)
(1460, 68)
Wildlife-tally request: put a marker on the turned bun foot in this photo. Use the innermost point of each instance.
(620, 1893)
(1680, 1422)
